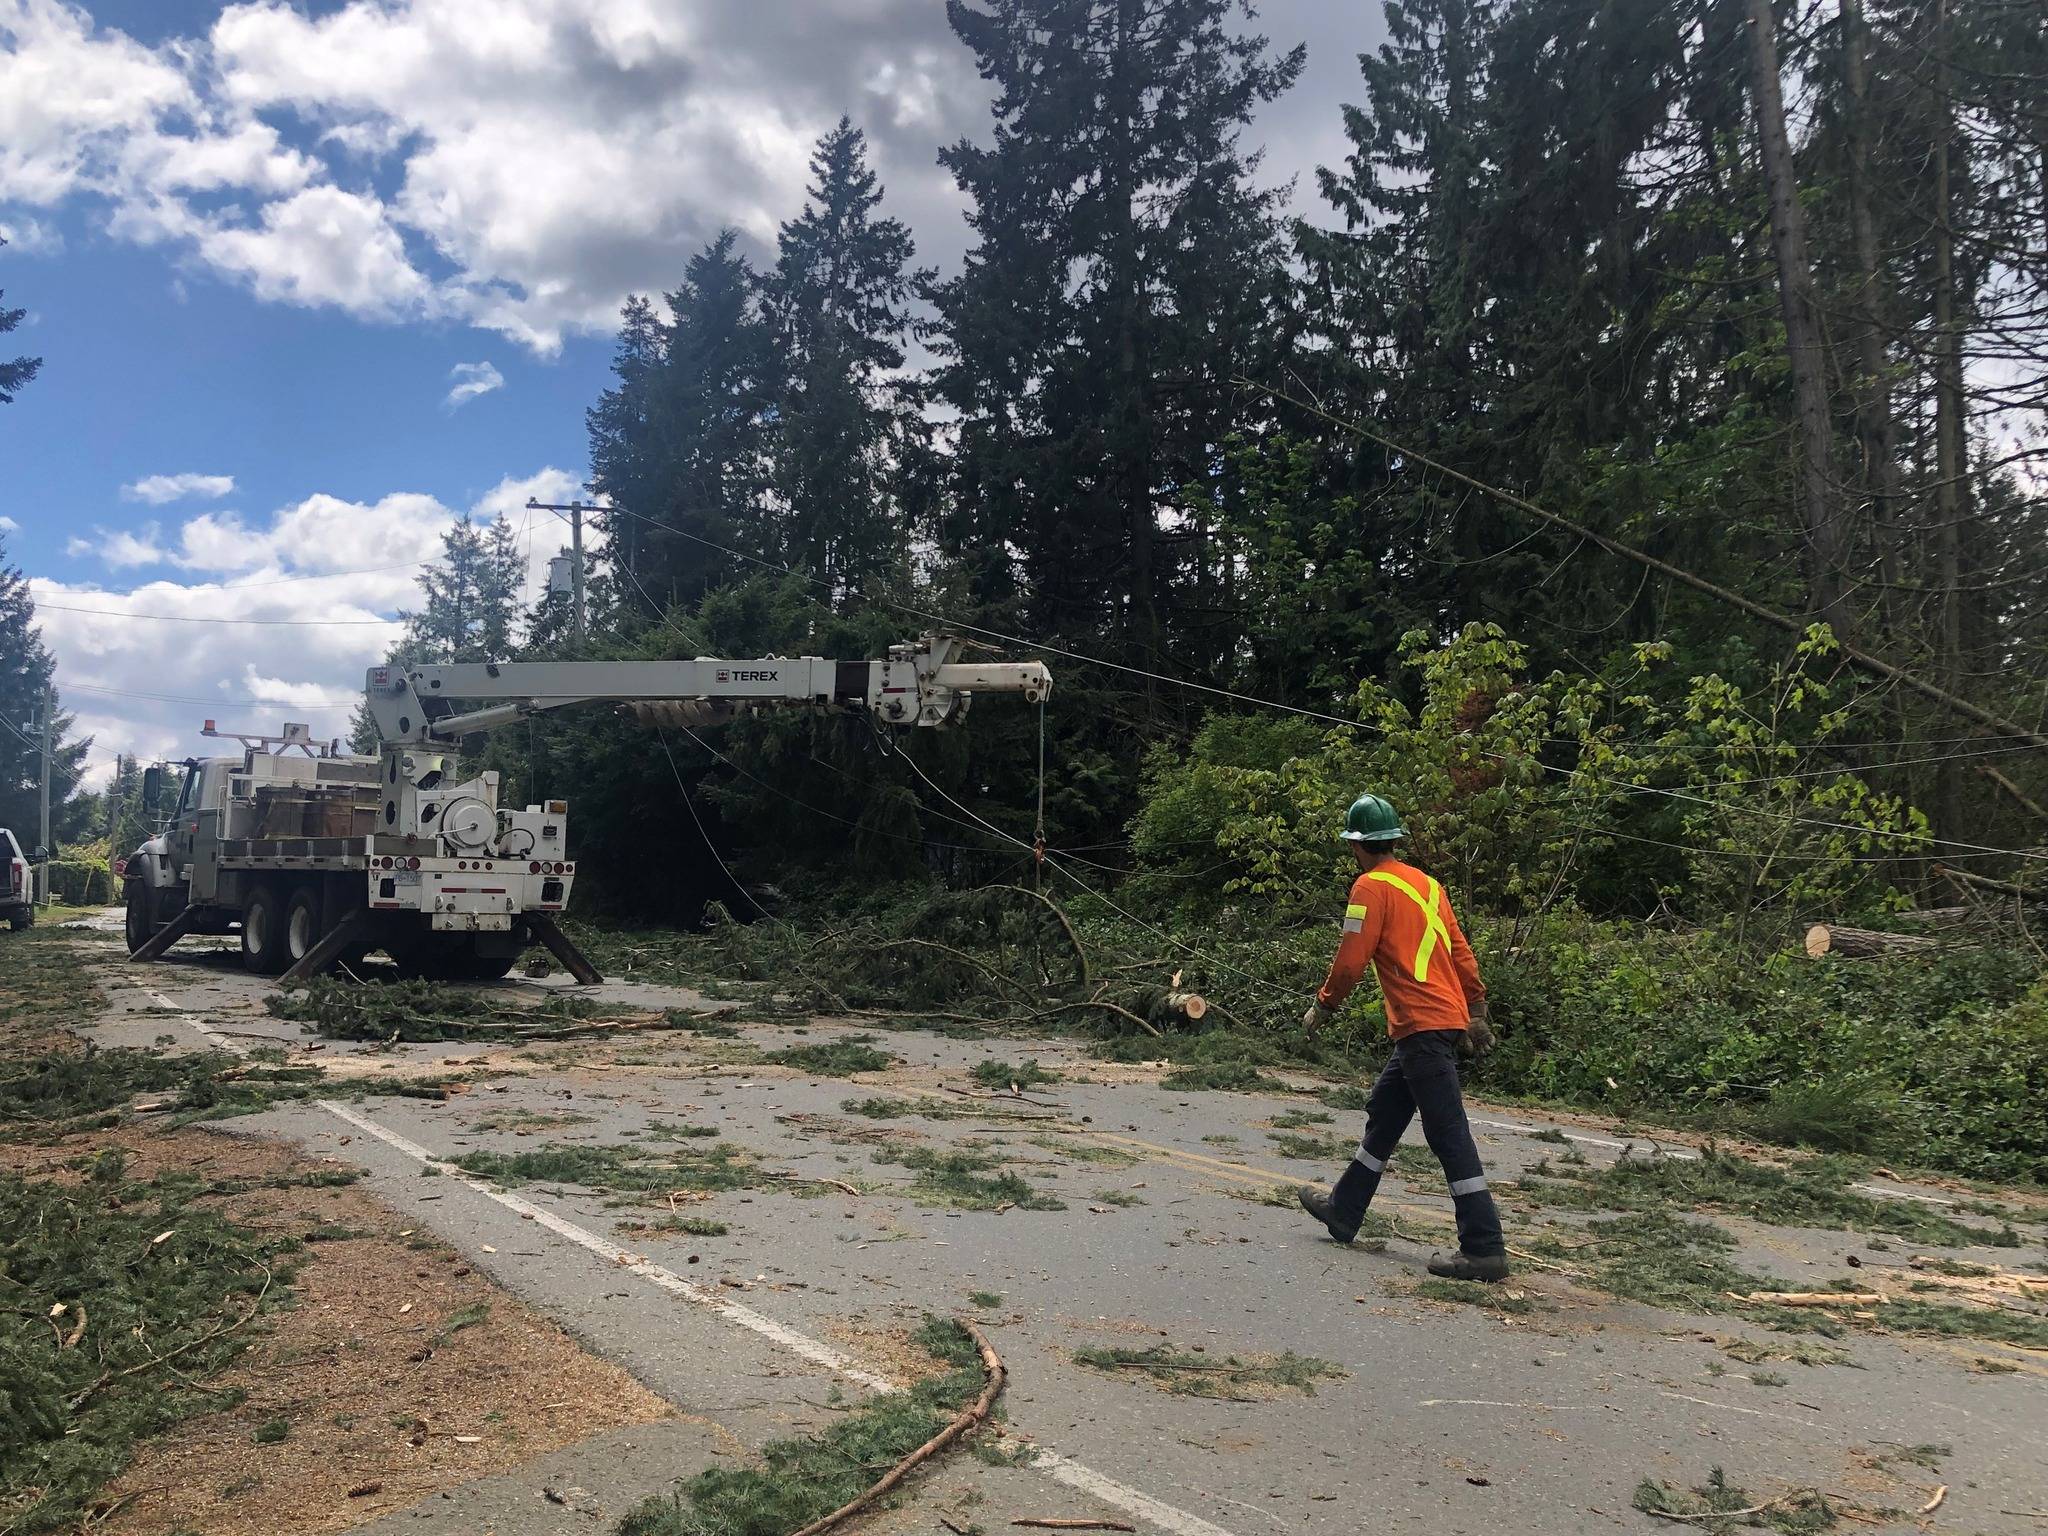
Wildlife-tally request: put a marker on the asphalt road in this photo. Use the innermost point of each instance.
(1448, 1417)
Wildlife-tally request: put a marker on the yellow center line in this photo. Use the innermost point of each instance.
(1980, 1351)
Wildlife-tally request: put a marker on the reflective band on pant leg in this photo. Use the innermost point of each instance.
(1468, 1186)
(1376, 1164)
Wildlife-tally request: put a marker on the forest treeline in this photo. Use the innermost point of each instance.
(1758, 296)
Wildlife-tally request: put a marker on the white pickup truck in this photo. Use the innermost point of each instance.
(17, 884)
(316, 858)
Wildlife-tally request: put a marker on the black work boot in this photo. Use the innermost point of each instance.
(1459, 1265)
(1319, 1203)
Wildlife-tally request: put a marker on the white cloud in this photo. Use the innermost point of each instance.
(8, 525)
(323, 246)
(347, 565)
(119, 547)
(519, 165)
(532, 162)
(71, 97)
(32, 237)
(471, 380)
(158, 489)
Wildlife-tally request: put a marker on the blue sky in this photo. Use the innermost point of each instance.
(260, 245)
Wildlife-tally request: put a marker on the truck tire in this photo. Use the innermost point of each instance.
(477, 967)
(20, 918)
(263, 935)
(140, 925)
(304, 926)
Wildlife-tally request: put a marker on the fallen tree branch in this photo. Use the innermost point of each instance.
(1074, 1525)
(78, 1399)
(1812, 1298)
(970, 1417)
(961, 955)
(1073, 938)
(1108, 1007)
(1733, 1514)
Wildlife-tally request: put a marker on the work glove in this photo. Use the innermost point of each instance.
(1478, 1033)
(1314, 1020)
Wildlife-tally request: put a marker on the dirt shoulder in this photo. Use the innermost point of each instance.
(376, 1367)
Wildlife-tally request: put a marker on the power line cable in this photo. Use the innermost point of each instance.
(1356, 725)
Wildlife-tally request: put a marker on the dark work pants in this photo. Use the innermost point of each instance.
(1421, 1077)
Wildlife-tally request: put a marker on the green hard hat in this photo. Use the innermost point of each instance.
(1372, 820)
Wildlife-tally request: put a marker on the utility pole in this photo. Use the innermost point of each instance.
(45, 733)
(574, 511)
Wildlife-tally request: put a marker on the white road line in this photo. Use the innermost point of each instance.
(1487, 1402)
(1138, 1505)
(1755, 1413)
(1684, 1156)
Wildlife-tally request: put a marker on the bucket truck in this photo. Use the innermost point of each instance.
(316, 857)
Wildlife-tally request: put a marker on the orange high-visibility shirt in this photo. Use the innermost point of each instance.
(1400, 922)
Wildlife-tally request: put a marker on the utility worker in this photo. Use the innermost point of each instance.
(1401, 922)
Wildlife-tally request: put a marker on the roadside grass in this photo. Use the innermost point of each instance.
(835, 1058)
(802, 1478)
(133, 1295)
(962, 1181)
(1002, 1076)
(1117, 1197)
(1812, 1193)
(1232, 1378)
(675, 1130)
(986, 1300)
(619, 1170)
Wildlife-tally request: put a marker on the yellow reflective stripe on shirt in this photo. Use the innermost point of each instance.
(1354, 917)
(1434, 932)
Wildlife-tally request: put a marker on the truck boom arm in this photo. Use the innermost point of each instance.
(919, 684)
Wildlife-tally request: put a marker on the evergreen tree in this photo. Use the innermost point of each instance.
(1119, 280)
(835, 305)
(13, 375)
(680, 443)
(26, 672)
(473, 597)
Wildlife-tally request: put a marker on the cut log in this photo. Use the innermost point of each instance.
(1814, 1298)
(1192, 1004)
(1863, 943)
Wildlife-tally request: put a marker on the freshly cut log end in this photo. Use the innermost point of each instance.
(1863, 943)
(1192, 1004)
